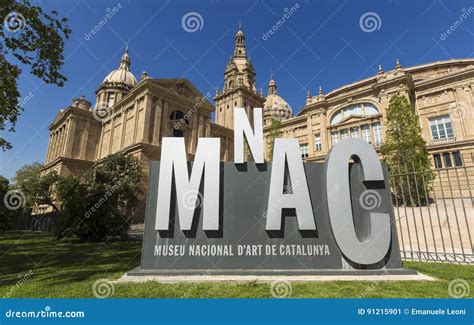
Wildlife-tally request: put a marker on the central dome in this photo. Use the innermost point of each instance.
(122, 75)
(276, 107)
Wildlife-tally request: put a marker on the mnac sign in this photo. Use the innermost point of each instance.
(283, 217)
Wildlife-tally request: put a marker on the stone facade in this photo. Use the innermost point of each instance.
(441, 94)
(133, 116)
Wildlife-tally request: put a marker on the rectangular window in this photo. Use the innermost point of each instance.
(437, 160)
(334, 138)
(378, 136)
(317, 142)
(366, 133)
(447, 160)
(304, 150)
(441, 128)
(457, 158)
(355, 132)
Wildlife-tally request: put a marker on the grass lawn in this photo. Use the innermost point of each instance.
(69, 269)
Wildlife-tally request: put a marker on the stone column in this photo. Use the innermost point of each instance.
(61, 141)
(207, 124)
(145, 136)
(200, 126)
(53, 145)
(85, 141)
(309, 131)
(122, 133)
(324, 133)
(158, 117)
(98, 153)
(194, 132)
(135, 125)
(165, 117)
(372, 138)
(70, 137)
(111, 138)
(459, 113)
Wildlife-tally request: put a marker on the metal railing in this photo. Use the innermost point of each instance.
(434, 212)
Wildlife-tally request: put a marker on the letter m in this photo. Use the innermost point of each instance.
(174, 164)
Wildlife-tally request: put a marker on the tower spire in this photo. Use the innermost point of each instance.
(272, 87)
(125, 60)
(239, 51)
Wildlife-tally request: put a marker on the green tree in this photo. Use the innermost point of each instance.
(34, 38)
(100, 205)
(45, 192)
(273, 133)
(6, 213)
(404, 151)
(27, 180)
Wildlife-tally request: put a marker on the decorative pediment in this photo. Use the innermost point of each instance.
(183, 91)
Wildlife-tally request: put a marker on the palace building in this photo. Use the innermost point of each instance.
(133, 115)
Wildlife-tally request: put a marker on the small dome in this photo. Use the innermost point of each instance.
(122, 75)
(275, 106)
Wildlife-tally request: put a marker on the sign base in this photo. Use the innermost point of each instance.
(395, 271)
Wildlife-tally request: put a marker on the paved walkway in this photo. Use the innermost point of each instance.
(271, 278)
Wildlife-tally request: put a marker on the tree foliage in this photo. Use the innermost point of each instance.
(273, 133)
(6, 214)
(404, 151)
(100, 205)
(45, 192)
(27, 180)
(35, 39)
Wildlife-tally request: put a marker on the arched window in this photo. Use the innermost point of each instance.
(178, 119)
(363, 109)
(178, 115)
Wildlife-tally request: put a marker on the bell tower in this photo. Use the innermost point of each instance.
(239, 85)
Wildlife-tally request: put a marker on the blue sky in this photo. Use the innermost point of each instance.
(321, 43)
